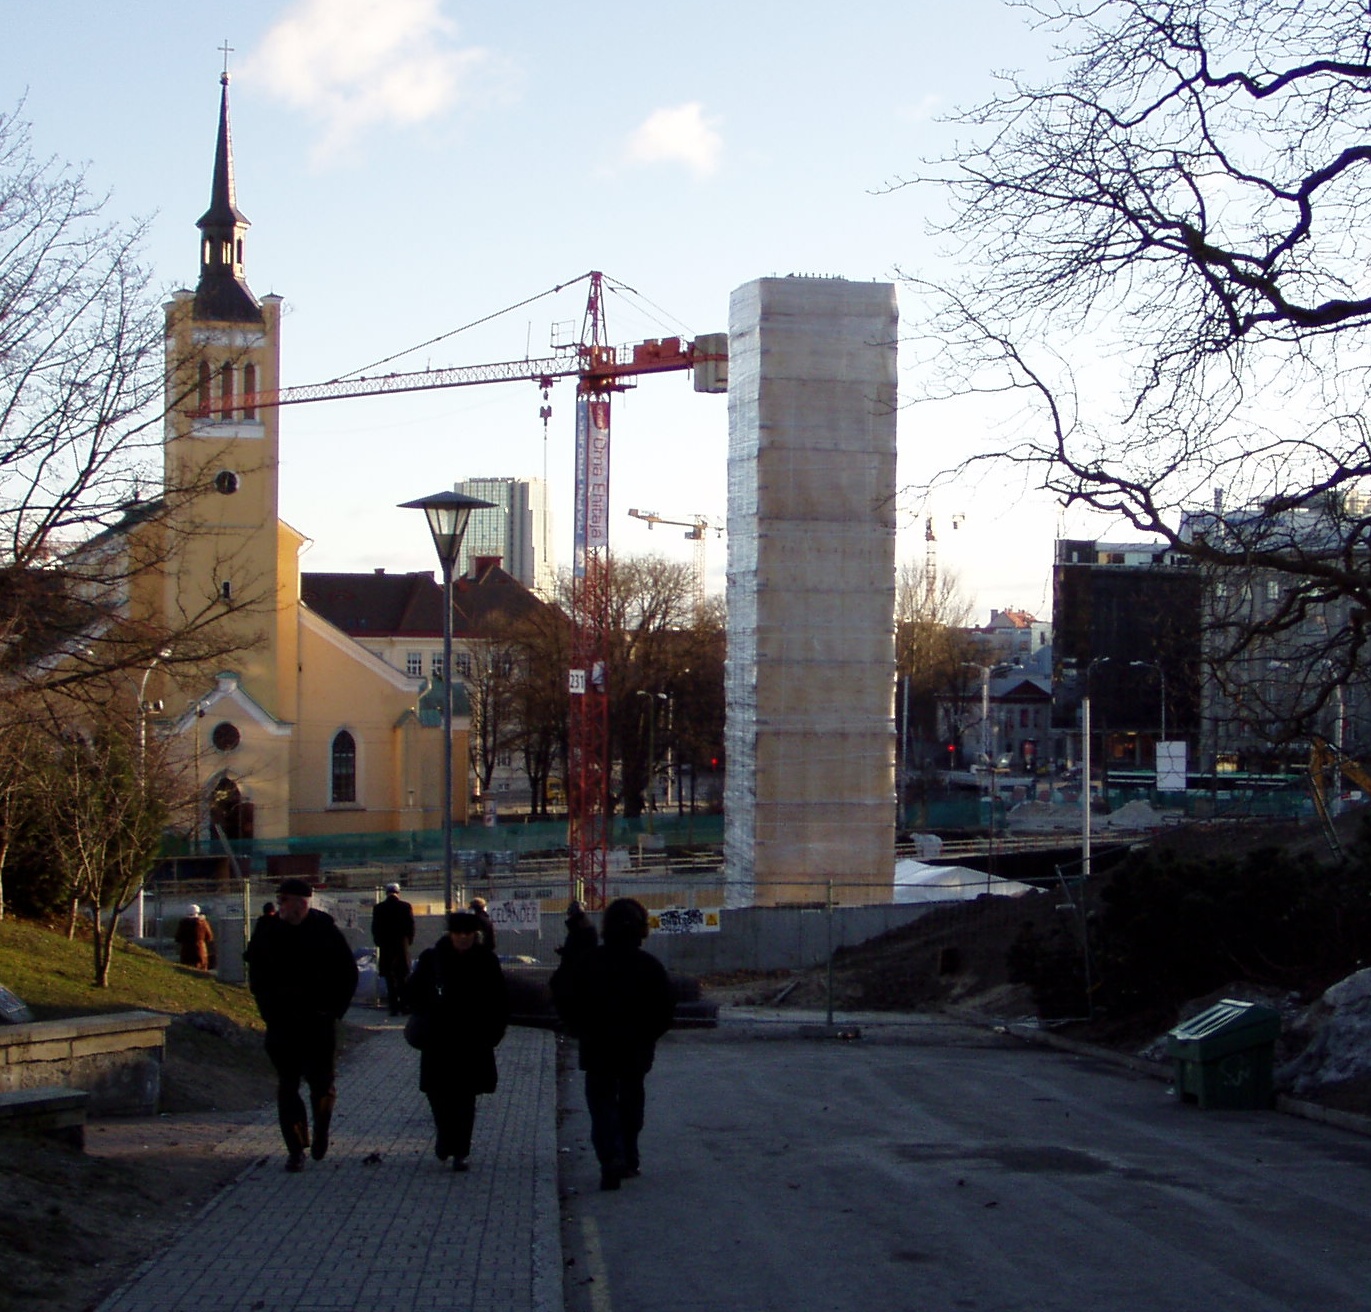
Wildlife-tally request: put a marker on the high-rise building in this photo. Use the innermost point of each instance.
(517, 528)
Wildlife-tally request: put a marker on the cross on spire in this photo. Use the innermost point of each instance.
(226, 50)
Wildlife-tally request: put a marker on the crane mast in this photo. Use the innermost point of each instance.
(600, 370)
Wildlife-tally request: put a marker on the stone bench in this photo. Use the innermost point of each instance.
(116, 1059)
(50, 1111)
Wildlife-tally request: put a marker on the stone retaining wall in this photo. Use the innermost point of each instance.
(116, 1058)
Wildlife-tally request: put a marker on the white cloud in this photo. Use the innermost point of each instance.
(355, 64)
(680, 135)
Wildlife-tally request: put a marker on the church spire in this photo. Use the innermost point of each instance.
(223, 293)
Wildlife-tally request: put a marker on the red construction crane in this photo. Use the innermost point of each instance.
(600, 371)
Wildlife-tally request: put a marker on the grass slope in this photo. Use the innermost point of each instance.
(53, 975)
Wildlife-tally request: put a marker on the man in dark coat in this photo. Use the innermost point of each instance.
(459, 990)
(302, 974)
(618, 1002)
(477, 907)
(581, 938)
(581, 935)
(392, 930)
(268, 913)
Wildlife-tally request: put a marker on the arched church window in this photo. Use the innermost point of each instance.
(240, 250)
(249, 391)
(203, 400)
(344, 770)
(226, 391)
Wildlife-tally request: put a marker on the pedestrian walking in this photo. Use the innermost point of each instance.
(302, 975)
(581, 938)
(268, 913)
(194, 938)
(392, 930)
(477, 907)
(458, 990)
(618, 1002)
(581, 935)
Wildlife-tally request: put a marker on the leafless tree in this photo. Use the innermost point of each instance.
(932, 648)
(83, 512)
(103, 793)
(1166, 291)
(496, 660)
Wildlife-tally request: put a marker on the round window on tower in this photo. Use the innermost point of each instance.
(225, 736)
(226, 481)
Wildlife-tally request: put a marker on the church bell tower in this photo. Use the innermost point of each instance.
(230, 558)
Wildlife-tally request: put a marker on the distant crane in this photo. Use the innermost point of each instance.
(600, 369)
(696, 531)
(931, 563)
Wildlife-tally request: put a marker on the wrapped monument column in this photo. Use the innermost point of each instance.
(810, 739)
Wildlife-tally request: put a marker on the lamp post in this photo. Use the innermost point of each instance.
(653, 698)
(448, 514)
(1085, 768)
(991, 786)
(1161, 675)
(163, 654)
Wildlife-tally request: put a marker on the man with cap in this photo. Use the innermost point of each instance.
(392, 930)
(303, 976)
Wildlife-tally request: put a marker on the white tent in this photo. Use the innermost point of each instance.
(915, 881)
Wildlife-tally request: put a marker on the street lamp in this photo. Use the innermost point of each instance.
(448, 514)
(985, 707)
(653, 698)
(1161, 675)
(1085, 768)
(162, 655)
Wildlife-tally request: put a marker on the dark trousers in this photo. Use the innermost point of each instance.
(303, 1050)
(615, 1098)
(393, 966)
(454, 1118)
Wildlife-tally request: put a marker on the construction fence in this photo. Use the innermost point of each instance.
(694, 931)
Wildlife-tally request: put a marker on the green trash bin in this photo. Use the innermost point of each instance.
(1225, 1056)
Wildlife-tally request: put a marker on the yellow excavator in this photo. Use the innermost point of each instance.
(1327, 766)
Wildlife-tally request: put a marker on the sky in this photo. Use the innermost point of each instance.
(412, 166)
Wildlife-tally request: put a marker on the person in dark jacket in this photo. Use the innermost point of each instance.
(477, 907)
(581, 935)
(618, 1002)
(581, 938)
(302, 974)
(459, 989)
(268, 913)
(392, 930)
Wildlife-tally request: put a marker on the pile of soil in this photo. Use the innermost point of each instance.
(955, 955)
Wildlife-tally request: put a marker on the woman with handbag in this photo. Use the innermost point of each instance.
(460, 1011)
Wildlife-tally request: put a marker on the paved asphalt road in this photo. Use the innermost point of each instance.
(933, 1166)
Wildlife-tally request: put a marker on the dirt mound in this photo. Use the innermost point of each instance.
(955, 954)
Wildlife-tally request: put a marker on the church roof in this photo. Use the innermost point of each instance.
(411, 605)
(223, 202)
(222, 294)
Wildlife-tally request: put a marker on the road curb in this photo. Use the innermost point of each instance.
(1300, 1107)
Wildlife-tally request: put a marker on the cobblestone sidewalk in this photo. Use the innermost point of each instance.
(380, 1224)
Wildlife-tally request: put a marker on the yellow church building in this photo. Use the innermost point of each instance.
(307, 732)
